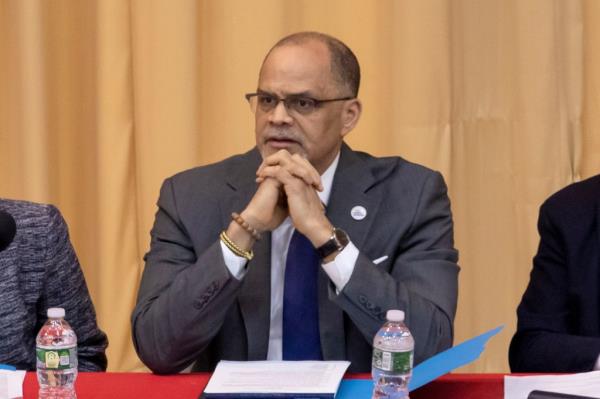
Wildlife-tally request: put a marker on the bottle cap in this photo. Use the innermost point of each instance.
(395, 315)
(55, 313)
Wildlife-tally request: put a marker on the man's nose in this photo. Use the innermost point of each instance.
(280, 114)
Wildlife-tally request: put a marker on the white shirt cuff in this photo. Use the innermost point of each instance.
(235, 264)
(597, 366)
(340, 269)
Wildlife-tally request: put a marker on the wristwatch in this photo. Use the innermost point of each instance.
(336, 243)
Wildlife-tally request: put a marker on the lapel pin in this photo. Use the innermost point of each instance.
(358, 212)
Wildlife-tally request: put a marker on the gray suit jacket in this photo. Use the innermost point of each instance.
(191, 310)
(39, 270)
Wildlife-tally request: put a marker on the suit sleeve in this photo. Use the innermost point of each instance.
(543, 341)
(65, 287)
(184, 296)
(422, 280)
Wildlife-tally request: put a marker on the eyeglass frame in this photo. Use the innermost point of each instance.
(317, 102)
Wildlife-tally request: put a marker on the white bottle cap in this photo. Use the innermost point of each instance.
(395, 315)
(55, 313)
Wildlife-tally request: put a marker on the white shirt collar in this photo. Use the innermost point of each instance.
(327, 180)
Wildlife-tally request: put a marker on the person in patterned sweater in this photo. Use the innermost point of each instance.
(39, 270)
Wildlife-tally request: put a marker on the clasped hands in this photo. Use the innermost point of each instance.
(288, 185)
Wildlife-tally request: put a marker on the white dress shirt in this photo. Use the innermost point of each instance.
(339, 270)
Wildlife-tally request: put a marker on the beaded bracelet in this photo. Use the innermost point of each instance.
(240, 220)
(234, 248)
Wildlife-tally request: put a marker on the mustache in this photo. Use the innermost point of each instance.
(283, 134)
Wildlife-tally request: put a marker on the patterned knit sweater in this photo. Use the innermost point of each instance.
(40, 270)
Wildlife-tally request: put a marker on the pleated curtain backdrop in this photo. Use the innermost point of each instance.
(102, 100)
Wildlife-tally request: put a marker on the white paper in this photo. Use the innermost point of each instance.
(277, 377)
(11, 384)
(586, 384)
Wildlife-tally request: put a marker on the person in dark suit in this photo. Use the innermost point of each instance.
(558, 326)
(219, 285)
(39, 270)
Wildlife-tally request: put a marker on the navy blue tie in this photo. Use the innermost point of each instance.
(301, 339)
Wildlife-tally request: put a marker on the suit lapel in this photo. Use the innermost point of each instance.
(350, 189)
(255, 293)
(351, 184)
(255, 300)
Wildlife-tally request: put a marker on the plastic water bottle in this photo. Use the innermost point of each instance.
(56, 357)
(393, 348)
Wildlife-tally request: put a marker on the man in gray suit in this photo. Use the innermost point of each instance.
(213, 287)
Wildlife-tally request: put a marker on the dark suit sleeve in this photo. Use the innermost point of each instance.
(183, 297)
(544, 341)
(65, 287)
(422, 279)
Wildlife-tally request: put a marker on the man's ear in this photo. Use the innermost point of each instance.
(350, 115)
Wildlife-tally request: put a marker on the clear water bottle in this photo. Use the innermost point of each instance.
(56, 357)
(393, 349)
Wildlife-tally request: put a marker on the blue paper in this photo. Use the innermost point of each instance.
(429, 370)
(450, 359)
(7, 367)
(355, 389)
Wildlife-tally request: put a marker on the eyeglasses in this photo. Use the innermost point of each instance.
(299, 104)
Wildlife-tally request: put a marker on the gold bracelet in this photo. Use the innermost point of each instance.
(234, 248)
(240, 220)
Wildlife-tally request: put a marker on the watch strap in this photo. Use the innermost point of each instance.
(336, 243)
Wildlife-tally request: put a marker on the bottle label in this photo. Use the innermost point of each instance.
(395, 362)
(56, 359)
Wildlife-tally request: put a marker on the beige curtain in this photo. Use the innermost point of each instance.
(102, 100)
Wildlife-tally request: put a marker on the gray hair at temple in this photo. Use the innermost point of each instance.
(344, 65)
